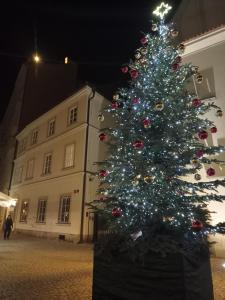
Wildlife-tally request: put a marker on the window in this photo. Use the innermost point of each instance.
(15, 175)
(19, 175)
(34, 137)
(47, 163)
(51, 127)
(30, 168)
(72, 115)
(64, 209)
(24, 211)
(41, 211)
(206, 89)
(69, 156)
(22, 145)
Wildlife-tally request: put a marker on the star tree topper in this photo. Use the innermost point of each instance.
(162, 10)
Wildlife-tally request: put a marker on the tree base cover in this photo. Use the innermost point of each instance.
(175, 276)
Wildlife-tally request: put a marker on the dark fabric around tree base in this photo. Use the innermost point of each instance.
(174, 277)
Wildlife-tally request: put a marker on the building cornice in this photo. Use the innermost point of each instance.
(205, 41)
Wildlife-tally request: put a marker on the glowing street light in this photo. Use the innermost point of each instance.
(36, 58)
(66, 60)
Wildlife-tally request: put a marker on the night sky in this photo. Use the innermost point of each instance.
(100, 36)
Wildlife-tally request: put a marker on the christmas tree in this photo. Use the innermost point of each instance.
(156, 144)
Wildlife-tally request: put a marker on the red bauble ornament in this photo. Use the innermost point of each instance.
(144, 40)
(146, 123)
(103, 173)
(213, 129)
(196, 102)
(175, 66)
(203, 135)
(116, 212)
(115, 105)
(211, 172)
(134, 73)
(199, 153)
(196, 225)
(138, 144)
(102, 137)
(124, 69)
(136, 100)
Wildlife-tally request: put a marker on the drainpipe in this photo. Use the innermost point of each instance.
(90, 97)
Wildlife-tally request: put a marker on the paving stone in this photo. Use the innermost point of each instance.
(39, 269)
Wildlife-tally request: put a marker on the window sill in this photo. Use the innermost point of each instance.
(43, 174)
(63, 223)
(40, 223)
(70, 124)
(68, 168)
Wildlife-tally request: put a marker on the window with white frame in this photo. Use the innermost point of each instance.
(69, 156)
(64, 209)
(72, 117)
(41, 210)
(30, 168)
(47, 163)
(205, 89)
(51, 127)
(15, 175)
(19, 174)
(24, 210)
(34, 137)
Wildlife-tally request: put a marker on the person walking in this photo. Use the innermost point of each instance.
(8, 225)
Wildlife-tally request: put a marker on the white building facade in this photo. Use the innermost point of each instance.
(208, 52)
(54, 168)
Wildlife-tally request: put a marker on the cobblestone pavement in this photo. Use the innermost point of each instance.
(218, 272)
(42, 269)
(32, 268)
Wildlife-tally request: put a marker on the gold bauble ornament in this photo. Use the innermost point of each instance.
(174, 33)
(195, 69)
(148, 179)
(135, 182)
(199, 78)
(116, 97)
(138, 55)
(144, 51)
(219, 113)
(143, 61)
(154, 27)
(181, 48)
(101, 117)
(198, 177)
(159, 106)
(195, 161)
(138, 176)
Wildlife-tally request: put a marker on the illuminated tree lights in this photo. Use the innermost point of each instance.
(156, 143)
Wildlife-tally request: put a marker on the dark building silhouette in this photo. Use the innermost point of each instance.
(194, 17)
(38, 88)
